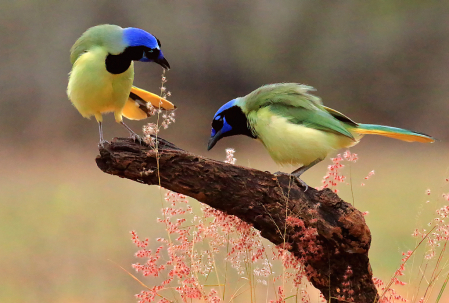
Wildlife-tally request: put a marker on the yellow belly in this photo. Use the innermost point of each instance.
(294, 144)
(93, 90)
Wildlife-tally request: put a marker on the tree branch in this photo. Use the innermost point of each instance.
(327, 234)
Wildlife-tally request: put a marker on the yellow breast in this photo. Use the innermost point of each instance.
(294, 144)
(93, 90)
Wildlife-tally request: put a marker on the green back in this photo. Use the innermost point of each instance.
(105, 35)
(283, 93)
(295, 103)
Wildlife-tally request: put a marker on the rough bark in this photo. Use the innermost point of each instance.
(342, 238)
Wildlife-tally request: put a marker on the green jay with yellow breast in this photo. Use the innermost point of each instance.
(294, 126)
(102, 75)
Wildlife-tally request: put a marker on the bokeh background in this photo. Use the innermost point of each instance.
(62, 219)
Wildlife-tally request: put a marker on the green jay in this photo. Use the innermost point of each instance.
(294, 126)
(102, 75)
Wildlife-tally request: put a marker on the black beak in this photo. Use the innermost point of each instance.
(163, 62)
(214, 140)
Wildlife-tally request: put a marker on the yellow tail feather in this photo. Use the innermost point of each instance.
(135, 107)
(399, 136)
(132, 110)
(154, 99)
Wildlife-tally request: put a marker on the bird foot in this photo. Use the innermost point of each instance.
(296, 178)
(280, 173)
(136, 138)
(102, 142)
(301, 182)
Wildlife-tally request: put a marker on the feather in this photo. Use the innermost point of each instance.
(293, 101)
(393, 132)
(136, 108)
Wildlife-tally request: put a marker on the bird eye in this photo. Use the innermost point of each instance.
(217, 123)
(150, 51)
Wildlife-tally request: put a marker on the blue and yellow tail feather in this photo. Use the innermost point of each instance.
(393, 132)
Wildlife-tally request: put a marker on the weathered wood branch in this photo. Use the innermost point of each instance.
(329, 237)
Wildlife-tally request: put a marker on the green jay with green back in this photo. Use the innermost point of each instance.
(102, 75)
(294, 126)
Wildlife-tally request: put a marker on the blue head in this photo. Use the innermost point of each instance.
(229, 120)
(138, 46)
(144, 46)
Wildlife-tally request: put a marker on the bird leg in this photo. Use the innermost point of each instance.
(132, 134)
(295, 178)
(298, 172)
(100, 129)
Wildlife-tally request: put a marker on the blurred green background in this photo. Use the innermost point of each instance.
(61, 218)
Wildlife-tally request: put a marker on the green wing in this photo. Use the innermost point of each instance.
(316, 119)
(340, 117)
(294, 102)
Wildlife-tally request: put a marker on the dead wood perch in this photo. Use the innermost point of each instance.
(259, 198)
